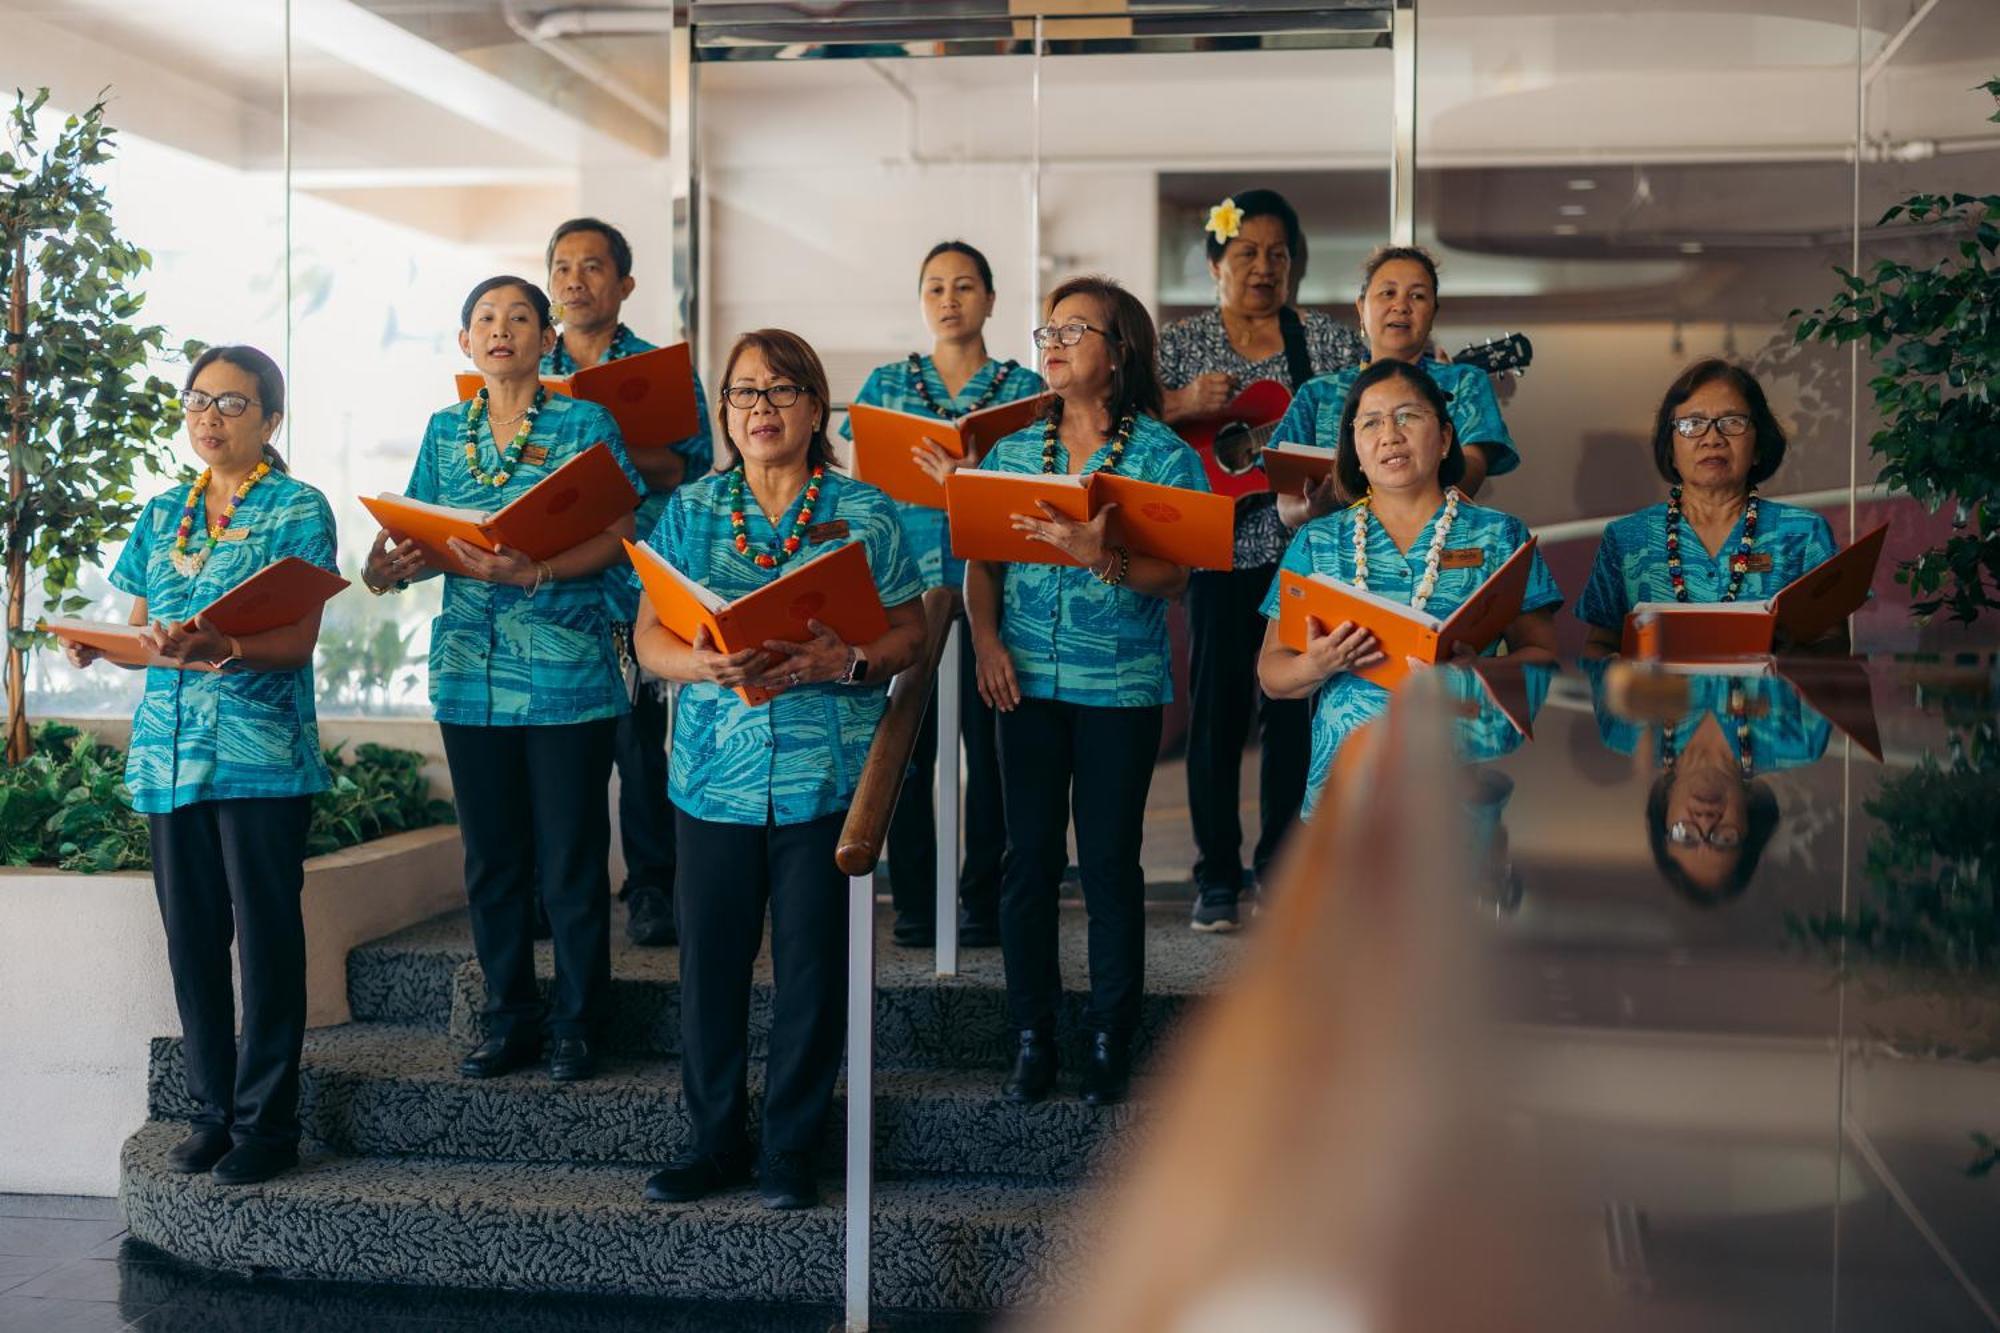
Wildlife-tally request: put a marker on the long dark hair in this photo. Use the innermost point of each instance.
(1347, 457)
(787, 354)
(270, 385)
(1135, 374)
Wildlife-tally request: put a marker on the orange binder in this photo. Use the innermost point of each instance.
(1806, 608)
(1837, 688)
(1295, 469)
(1188, 527)
(650, 394)
(835, 589)
(574, 503)
(883, 439)
(1403, 631)
(281, 593)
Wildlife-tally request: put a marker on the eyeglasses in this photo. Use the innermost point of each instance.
(1682, 834)
(1067, 335)
(1371, 426)
(229, 404)
(743, 397)
(1693, 428)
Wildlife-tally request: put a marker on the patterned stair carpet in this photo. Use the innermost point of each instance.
(414, 1175)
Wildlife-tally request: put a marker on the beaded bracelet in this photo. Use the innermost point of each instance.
(1124, 563)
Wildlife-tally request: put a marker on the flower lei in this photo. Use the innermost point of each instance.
(509, 457)
(562, 363)
(1738, 708)
(1432, 556)
(1120, 438)
(190, 564)
(1739, 563)
(739, 523)
(923, 390)
(1224, 221)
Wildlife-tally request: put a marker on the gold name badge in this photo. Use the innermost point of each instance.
(1758, 562)
(1465, 557)
(534, 455)
(233, 535)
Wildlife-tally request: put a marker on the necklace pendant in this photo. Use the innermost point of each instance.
(188, 565)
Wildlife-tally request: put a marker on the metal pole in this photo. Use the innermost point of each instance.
(947, 802)
(1403, 149)
(860, 1094)
(681, 154)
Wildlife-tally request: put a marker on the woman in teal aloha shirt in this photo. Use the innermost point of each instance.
(1075, 658)
(224, 763)
(955, 288)
(760, 792)
(525, 685)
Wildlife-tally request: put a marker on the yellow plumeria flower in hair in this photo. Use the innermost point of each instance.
(1225, 220)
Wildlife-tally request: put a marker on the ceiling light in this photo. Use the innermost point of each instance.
(1572, 210)
(1581, 183)
(1691, 247)
(1566, 229)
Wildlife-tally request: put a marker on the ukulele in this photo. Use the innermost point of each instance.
(1232, 442)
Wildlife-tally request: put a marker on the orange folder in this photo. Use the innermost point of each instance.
(1188, 527)
(574, 503)
(650, 394)
(1295, 469)
(1806, 608)
(883, 439)
(281, 593)
(835, 589)
(1403, 631)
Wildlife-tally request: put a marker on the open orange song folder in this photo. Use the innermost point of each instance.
(1403, 631)
(281, 593)
(1806, 608)
(574, 503)
(1295, 469)
(835, 589)
(1187, 527)
(649, 394)
(883, 439)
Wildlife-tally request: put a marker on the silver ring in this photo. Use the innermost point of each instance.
(795, 678)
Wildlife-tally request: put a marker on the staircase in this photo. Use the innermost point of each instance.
(416, 1176)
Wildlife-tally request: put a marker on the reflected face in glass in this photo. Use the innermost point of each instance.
(1398, 439)
(1397, 310)
(766, 435)
(1712, 460)
(585, 283)
(221, 441)
(1254, 275)
(1707, 804)
(506, 337)
(955, 299)
(1082, 370)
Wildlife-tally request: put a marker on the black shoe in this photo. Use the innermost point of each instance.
(1215, 911)
(695, 1174)
(915, 932)
(785, 1181)
(198, 1151)
(649, 917)
(253, 1163)
(978, 930)
(1034, 1073)
(570, 1060)
(501, 1055)
(1107, 1073)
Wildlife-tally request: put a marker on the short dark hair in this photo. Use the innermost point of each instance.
(1770, 435)
(1347, 458)
(621, 249)
(270, 384)
(537, 298)
(959, 248)
(1385, 254)
(1135, 378)
(1761, 816)
(1261, 203)
(789, 355)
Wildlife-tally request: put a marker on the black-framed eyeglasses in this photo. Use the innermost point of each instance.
(743, 397)
(1683, 834)
(1730, 425)
(1068, 335)
(229, 404)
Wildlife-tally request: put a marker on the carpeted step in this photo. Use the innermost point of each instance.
(938, 1245)
(379, 1090)
(406, 977)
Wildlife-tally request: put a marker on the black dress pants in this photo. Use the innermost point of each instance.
(1057, 759)
(645, 820)
(237, 867)
(1225, 635)
(912, 841)
(728, 872)
(531, 811)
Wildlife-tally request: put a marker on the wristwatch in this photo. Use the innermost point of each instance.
(857, 668)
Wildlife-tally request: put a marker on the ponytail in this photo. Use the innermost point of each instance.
(275, 459)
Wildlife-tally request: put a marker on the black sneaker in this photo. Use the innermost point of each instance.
(695, 1174)
(649, 917)
(785, 1181)
(1215, 911)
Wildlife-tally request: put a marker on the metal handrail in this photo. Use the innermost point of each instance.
(867, 825)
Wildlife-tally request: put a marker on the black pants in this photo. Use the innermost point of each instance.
(1055, 759)
(531, 811)
(913, 827)
(1225, 634)
(645, 820)
(237, 867)
(728, 872)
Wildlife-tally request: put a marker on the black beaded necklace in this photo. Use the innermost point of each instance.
(923, 390)
(1738, 708)
(1120, 438)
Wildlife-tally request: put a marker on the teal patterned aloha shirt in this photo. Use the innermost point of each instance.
(797, 757)
(926, 534)
(1631, 564)
(218, 736)
(1073, 638)
(500, 658)
(698, 449)
(1314, 416)
(1326, 546)
(1785, 731)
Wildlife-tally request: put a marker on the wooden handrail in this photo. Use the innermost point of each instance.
(867, 823)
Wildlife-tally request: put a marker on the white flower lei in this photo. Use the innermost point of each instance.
(1428, 583)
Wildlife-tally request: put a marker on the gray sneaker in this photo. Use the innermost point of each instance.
(1215, 911)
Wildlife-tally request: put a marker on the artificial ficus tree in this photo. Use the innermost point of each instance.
(84, 416)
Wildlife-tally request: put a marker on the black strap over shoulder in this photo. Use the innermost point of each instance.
(1298, 360)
